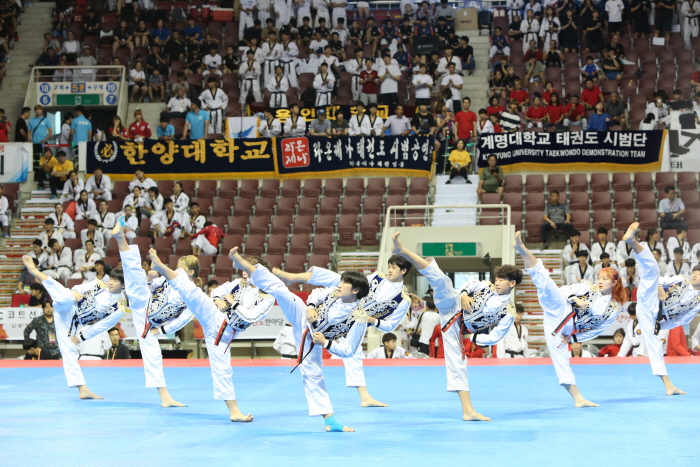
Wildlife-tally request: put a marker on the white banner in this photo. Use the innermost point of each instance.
(684, 150)
(15, 159)
(242, 127)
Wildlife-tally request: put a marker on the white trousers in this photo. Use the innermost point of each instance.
(690, 29)
(294, 310)
(549, 36)
(209, 316)
(269, 69)
(339, 13)
(555, 307)
(139, 295)
(356, 88)
(63, 273)
(216, 123)
(301, 12)
(290, 71)
(284, 15)
(245, 20)
(278, 100)
(207, 248)
(494, 50)
(246, 86)
(263, 15)
(322, 13)
(65, 233)
(107, 196)
(63, 302)
(648, 309)
(354, 373)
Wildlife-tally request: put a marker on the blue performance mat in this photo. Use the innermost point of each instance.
(43, 423)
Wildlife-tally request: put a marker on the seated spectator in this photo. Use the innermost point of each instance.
(465, 52)
(497, 85)
(572, 247)
(515, 342)
(139, 130)
(515, 28)
(491, 178)
(484, 125)
(320, 126)
(580, 272)
(494, 106)
(137, 82)
(604, 262)
(510, 119)
(49, 233)
(59, 173)
(167, 223)
(38, 294)
(34, 352)
(678, 266)
(599, 120)
(578, 352)
(405, 31)
(460, 161)
(295, 125)
(533, 51)
(196, 221)
(649, 123)
(118, 351)
(499, 43)
(155, 84)
(554, 57)
(555, 112)
(206, 241)
(662, 264)
(60, 263)
(629, 275)
(61, 25)
(557, 217)
(154, 203)
(105, 220)
(134, 199)
(501, 66)
(180, 82)
(63, 74)
(398, 124)
(590, 70)
(510, 79)
(160, 34)
(165, 131)
(603, 246)
(591, 95)
(593, 33)
(141, 180)
(118, 132)
(568, 35)
(423, 29)
(72, 187)
(519, 95)
(612, 350)
(671, 210)
(340, 126)
(612, 65)
(495, 121)
(616, 109)
(181, 202)
(574, 113)
(123, 37)
(85, 262)
(536, 114)
(389, 349)
(93, 234)
(678, 343)
(63, 222)
(678, 103)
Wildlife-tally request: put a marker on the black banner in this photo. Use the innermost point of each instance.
(545, 151)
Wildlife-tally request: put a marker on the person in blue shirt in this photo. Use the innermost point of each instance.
(401, 56)
(160, 34)
(40, 128)
(165, 131)
(193, 29)
(599, 121)
(80, 127)
(197, 121)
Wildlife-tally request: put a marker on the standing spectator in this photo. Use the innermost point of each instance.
(165, 131)
(99, 186)
(422, 84)
(574, 113)
(270, 126)
(614, 9)
(690, 17)
(196, 122)
(454, 83)
(499, 43)
(556, 217)
(40, 128)
(80, 127)
(214, 100)
(491, 178)
(460, 160)
(426, 325)
(530, 28)
(593, 32)
(465, 121)
(549, 29)
(568, 37)
(368, 81)
(599, 120)
(324, 83)
(295, 125)
(671, 210)
(320, 126)
(389, 89)
(640, 17)
(664, 17)
(4, 219)
(59, 174)
(278, 85)
(21, 128)
(118, 351)
(139, 129)
(206, 241)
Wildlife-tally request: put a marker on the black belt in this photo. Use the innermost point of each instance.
(290, 356)
(659, 318)
(91, 355)
(513, 353)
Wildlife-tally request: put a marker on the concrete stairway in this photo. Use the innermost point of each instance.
(476, 85)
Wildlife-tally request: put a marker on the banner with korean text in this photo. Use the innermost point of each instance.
(684, 149)
(256, 158)
(613, 151)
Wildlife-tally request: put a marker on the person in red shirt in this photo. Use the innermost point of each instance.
(519, 94)
(139, 130)
(613, 349)
(117, 132)
(537, 114)
(574, 113)
(534, 51)
(471, 350)
(678, 344)
(206, 241)
(591, 95)
(555, 112)
(5, 127)
(368, 80)
(496, 126)
(465, 120)
(548, 91)
(494, 106)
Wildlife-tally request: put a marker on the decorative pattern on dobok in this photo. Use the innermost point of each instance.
(584, 318)
(160, 307)
(482, 317)
(674, 306)
(239, 318)
(88, 310)
(333, 331)
(377, 309)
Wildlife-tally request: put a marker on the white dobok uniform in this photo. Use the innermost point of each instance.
(72, 192)
(598, 249)
(65, 225)
(288, 61)
(355, 67)
(300, 129)
(514, 344)
(105, 184)
(250, 81)
(85, 211)
(278, 99)
(634, 345)
(216, 103)
(690, 20)
(62, 261)
(324, 90)
(380, 353)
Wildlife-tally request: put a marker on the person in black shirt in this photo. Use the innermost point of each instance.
(514, 33)
(118, 351)
(254, 31)
(372, 35)
(423, 122)
(175, 48)
(465, 52)
(231, 61)
(639, 9)
(678, 103)
(497, 84)
(156, 61)
(510, 79)
(568, 35)
(611, 65)
(594, 33)
(664, 17)
(34, 352)
(92, 24)
(47, 59)
(21, 129)
(336, 46)
(38, 295)
(406, 31)
(355, 34)
(443, 29)
(306, 32)
(433, 66)
(325, 32)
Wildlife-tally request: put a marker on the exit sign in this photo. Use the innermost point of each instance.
(451, 249)
(72, 100)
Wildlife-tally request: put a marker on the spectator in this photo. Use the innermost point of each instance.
(135, 199)
(270, 126)
(155, 84)
(490, 178)
(533, 51)
(61, 25)
(530, 28)
(60, 263)
(603, 246)
(154, 203)
(653, 240)
(174, 47)
(590, 70)
(554, 57)
(444, 63)
(34, 352)
(494, 106)
(614, 9)
(63, 221)
(519, 95)
(196, 221)
(26, 279)
(167, 223)
(578, 352)
(389, 79)
(94, 235)
(70, 47)
(40, 128)
(105, 220)
(671, 210)
(677, 340)
(181, 201)
(612, 66)
(678, 103)
(664, 17)
(320, 126)
(46, 163)
(206, 241)
(599, 120)
(612, 350)
(102, 271)
(678, 266)
(118, 132)
(629, 275)
(649, 123)
(389, 349)
(160, 34)
(465, 121)
(21, 129)
(340, 126)
(454, 83)
(423, 122)
(515, 27)
(537, 114)
(568, 36)
(46, 59)
(131, 223)
(85, 262)
(139, 129)
(639, 10)
(38, 296)
(534, 70)
(497, 86)
(495, 122)
(196, 122)
(549, 29)
(278, 85)
(137, 82)
(574, 113)
(59, 173)
(557, 217)
(368, 80)
(180, 82)
(580, 272)
(499, 43)
(593, 32)
(123, 37)
(254, 32)
(80, 127)
(99, 186)
(510, 79)
(510, 119)
(465, 53)
(422, 84)
(295, 125)
(165, 131)
(591, 95)
(193, 28)
(324, 83)
(118, 351)
(573, 247)
(555, 112)
(62, 75)
(460, 161)
(50, 41)
(426, 324)
(501, 66)
(423, 29)
(398, 124)
(616, 109)
(484, 125)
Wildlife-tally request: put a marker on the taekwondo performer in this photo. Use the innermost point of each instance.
(288, 59)
(333, 319)
(278, 85)
(81, 313)
(574, 313)
(480, 307)
(386, 305)
(250, 72)
(273, 51)
(215, 101)
(220, 327)
(355, 67)
(324, 83)
(163, 306)
(661, 304)
(690, 14)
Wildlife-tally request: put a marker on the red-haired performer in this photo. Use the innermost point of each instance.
(661, 304)
(574, 313)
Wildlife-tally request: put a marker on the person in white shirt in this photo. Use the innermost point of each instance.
(426, 325)
(178, 105)
(167, 222)
(4, 218)
(84, 206)
(614, 9)
(355, 67)
(444, 63)
(49, 234)
(653, 241)
(423, 84)
(603, 246)
(85, 262)
(131, 223)
(70, 47)
(134, 199)
(549, 29)
(60, 263)
(662, 264)
(633, 344)
(389, 78)
(389, 349)
(577, 351)
(278, 85)
(245, 16)
(359, 123)
(581, 272)
(93, 234)
(212, 63)
(317, 44)
(321, 7)
(605, 263)
(295, 125)
(154, 203)
(141, 180)
(284, 344)
(269, 126)
(629, 275)
(572, 247)
(530, 27)
(250, 72)
(679, 241)
(196, 221)
(339, 11)
(324, 82)
(624, 252)
(677, 266)
(398, 124)
(283, 12)
(690, 17)
(342, 31)
(181, 202)
(514, 344)
(99, 186)
(214, 100)
(288, 59)
(63, 222)
(484, 125)
(72, 187)
(329, 59)
(375, 122)
(105, 220)
(64, 137)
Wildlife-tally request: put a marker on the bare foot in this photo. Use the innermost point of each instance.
(118, 229)
(239, 417)
(171, 403)
(475, 417)
(85, 393)
(372, 403)
(585, 403)
(674, 391)
(397, 246)
(346, 429)
(629, 236)
(518, 240)
(286, 277)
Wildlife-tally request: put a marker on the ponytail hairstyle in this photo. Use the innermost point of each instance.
(258, 260)
(619, 293)
(651, 232)
(192, 263)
